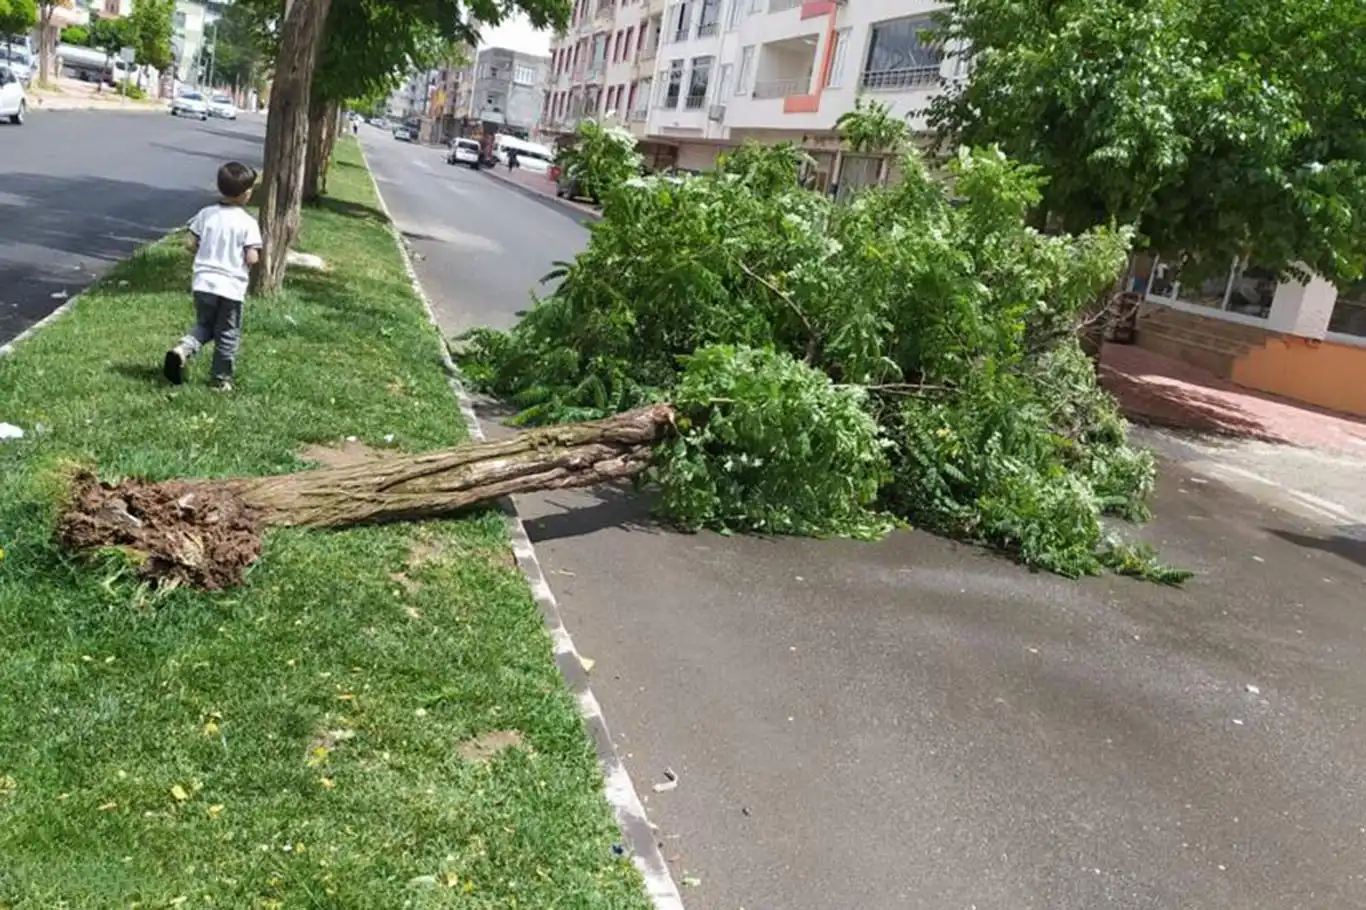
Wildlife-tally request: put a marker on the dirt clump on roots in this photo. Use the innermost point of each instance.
(179, 533)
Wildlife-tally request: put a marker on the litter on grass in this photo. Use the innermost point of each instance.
(10, 431)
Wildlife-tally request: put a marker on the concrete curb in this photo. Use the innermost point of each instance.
(548, 197)
(636, 831)
(10, 346)
(60, 107)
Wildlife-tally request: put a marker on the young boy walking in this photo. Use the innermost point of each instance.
(227, 242)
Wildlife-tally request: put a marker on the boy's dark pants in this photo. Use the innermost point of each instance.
(219, 320)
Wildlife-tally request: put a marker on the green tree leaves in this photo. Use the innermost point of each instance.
(1219, 129)
(910, 353)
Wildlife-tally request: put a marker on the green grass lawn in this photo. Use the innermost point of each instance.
(296, 742)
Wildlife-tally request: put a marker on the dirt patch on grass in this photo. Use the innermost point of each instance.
(349, 453)
(410, 585)
(198, 534)
(487, 745)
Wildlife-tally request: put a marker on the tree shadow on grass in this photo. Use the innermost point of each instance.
(1348, 543)
(350, 209)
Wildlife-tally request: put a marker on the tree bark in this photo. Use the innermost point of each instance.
(208, 533)
(430, 485)
(287, 137)
(315, 161)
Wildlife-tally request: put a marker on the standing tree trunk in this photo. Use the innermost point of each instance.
(322, 136)
(44, 45)
(287, 137)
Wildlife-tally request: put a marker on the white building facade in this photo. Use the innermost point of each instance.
(701, 76)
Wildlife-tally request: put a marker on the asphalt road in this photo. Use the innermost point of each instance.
(919, 724)
(81, 190)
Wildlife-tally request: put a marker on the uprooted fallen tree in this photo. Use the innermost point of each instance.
(207, 533)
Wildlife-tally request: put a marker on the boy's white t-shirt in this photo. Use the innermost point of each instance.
(225, 234)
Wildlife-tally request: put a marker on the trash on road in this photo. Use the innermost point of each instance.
(670, 781)
(691, 881)
(10, 431)
(59, 295)
(1252, 690)
(587, 663)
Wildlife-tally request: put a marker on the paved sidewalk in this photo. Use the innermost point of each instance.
(540, 185)
(74, 95)
(1171, 393)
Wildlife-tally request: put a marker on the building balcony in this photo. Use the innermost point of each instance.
(900, 80)
(603, 14)
(782, 6)
(695, 101)
(709, 30)
(639, 114)
(782, 88)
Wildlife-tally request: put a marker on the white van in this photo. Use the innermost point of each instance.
(532, 157)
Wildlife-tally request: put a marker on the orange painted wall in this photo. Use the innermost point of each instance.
(1322, 373)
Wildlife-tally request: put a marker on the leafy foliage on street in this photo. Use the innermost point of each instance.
(1221, 128)
(599, 158)
(840, 367)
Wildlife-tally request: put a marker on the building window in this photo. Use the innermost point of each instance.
(698, 82)
(679, 22)
(179, 17)
(673, 85)
(737, 12)
(1349, 312)
(746, 65)
(723, 83)
(709, 21)
(856, 172)
(1244, 289)
(629, 47)
(837, 52)
(900, 56)
(524, 75)
(599, 49)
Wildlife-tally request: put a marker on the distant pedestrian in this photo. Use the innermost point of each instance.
(512, 159)
(226, 241)
(355, 127)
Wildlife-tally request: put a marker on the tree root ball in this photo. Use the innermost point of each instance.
(198, 534)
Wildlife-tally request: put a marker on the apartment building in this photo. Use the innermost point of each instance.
(705, 75)
(603, 66)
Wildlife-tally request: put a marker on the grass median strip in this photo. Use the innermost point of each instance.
(373, 721)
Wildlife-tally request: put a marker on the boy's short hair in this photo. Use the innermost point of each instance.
(235, 178)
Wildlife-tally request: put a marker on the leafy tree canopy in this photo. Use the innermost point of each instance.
(1219, 127)
(17, 17)
(369, 44)
(149, 30)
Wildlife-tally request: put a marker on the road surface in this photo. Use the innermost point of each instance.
(81, 190)
(919, 724)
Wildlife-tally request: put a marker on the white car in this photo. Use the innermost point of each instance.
(19, 61)
(222, 106)
(464, 151)
(190, 104)
(13, 104)
(403, 134)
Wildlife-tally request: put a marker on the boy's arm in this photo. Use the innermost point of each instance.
(253, 243)
(196, 227)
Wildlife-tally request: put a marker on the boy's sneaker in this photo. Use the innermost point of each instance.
(222, 385)
(173, 367)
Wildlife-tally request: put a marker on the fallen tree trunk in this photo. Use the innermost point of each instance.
(207, 533)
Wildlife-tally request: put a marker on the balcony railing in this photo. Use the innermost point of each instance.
(904, 78)
(680, 34)
(782, 6)
(647, 53)
(781, 88)
(695, 100)
(595, 70)
(639, 114)
(708, 29)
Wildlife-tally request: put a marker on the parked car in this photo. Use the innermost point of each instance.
(222, 106)
(464, 151)
(13, 104)
(190, 104)
(403, 134)
(19, 61)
